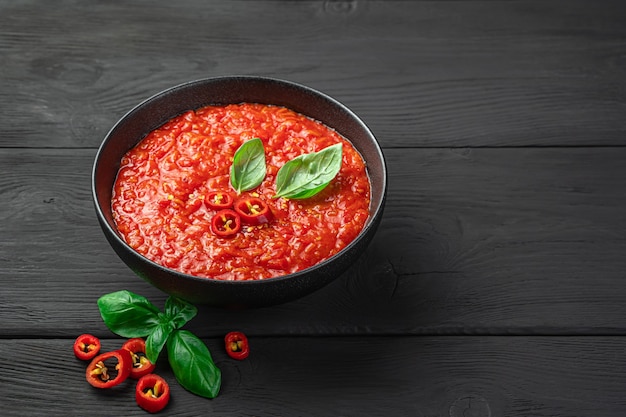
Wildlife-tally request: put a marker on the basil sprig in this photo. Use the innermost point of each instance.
(248, 169)
(130, 315)
(308, 174)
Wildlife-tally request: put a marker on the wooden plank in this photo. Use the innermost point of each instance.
(420, 73)
(353, 376)
(483, 241)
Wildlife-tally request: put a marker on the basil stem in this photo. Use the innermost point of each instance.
(248, 169)
(192, 364)
(308, 174)
(127, 314)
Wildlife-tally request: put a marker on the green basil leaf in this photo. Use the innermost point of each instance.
(248, 169)
(192, 364)
(308, 174)
(127, 314)
(157, 339)
(179, 311)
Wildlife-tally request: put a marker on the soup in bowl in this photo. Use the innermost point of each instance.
(239, 191)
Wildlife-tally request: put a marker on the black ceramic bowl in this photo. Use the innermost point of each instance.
(158, 109)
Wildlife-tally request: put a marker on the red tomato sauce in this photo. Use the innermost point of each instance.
(158, 197)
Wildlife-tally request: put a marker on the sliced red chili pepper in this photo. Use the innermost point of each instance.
(226, 223)
(219, 200)
(237, 346)
(141, 364)
(86, 346)
(253, 211)
(152, 393)
(109, 369)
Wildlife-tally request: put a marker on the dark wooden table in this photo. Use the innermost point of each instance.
(496, 284)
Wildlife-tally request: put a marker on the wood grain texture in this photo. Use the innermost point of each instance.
(495, 285)
(481, 241)
(354, 376)
(420, 73)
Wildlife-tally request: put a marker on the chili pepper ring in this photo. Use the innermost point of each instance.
(152, 393)
(99, 373)
(86, 346)
(141, 364)
(218, 200)
(236, 344)
(226, 223)
(253, 211)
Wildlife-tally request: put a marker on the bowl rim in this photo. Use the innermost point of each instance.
(370, 223)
